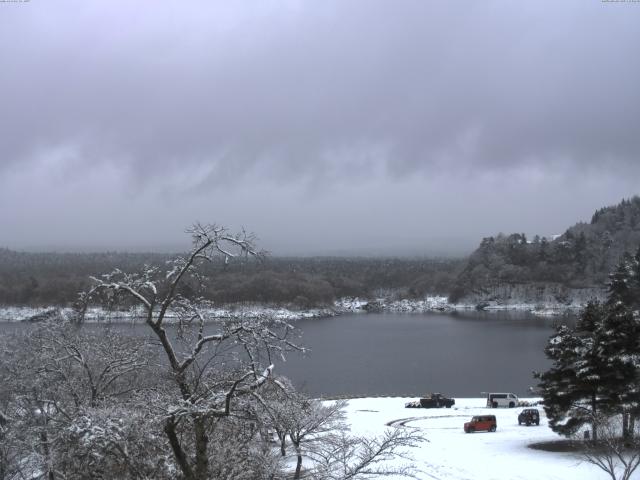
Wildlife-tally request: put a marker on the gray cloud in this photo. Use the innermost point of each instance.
(196, 102)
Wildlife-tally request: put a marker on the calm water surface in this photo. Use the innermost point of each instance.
(460, 354)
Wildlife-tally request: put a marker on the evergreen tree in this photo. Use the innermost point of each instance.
(621, 350)
(572, 388)
(635, 281)
(620, 288)
(580, 253)
(596, 365)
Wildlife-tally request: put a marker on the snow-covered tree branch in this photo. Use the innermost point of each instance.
(212, 364)
(618, 457)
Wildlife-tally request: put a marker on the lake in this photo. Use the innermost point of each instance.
(460, 354)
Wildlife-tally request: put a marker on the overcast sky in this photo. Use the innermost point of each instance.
(409, 127)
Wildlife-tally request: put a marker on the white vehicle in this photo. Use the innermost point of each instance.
(495, 400)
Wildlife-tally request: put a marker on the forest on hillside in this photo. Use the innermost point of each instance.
(581, 257)
(40, 279)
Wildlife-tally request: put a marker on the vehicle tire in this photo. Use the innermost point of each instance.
(448, 406)
(511, 404)
(538, 422)
(471, 430)
(494, 405)
(519, 422)
(493, 428)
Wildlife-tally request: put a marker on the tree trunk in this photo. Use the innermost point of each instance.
(594, 421)
(202, 442)
(298, 468)
(625, 425)
(181, 458)
(283, 443)
(296, 476)
(44, 440)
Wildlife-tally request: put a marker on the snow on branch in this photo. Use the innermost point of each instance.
(211, 363)
(219, 403)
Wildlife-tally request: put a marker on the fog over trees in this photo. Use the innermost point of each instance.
(581, 257)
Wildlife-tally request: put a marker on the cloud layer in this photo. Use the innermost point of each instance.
(308, 102)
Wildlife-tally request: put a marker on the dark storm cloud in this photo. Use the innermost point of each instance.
(301, 86)
(296, 98)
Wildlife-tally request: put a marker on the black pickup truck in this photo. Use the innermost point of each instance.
(433, 400)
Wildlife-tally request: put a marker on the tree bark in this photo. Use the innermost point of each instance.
(296, 476)
(44, 441)
(298, 468)
(625, 425)
(202, 441)
(594, 421)
(178, 452)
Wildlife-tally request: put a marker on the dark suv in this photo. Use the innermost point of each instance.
(529, 416)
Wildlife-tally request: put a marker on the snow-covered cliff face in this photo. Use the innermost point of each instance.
(545, 295)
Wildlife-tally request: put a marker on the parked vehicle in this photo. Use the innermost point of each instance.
(495, 400)
(432, 400)
(529, 416)
(481, 423)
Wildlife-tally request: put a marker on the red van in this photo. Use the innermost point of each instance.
(481, 422)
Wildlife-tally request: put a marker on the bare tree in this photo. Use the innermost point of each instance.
(239, 452)
(51, 376)
(118, 441)
(310, 423)
(275, 403)
(616, 454)
(345, 457)
(211, 364)
(318, 432)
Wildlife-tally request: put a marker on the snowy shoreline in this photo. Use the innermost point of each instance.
(441, 304)
(342, 306)
(96, 315)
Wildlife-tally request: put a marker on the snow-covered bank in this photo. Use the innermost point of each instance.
(451, 454)
(441, 304)
(344, 305)
(34, 314)
(546, 298)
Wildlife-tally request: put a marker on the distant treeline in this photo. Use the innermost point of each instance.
(39, 279)
(581, 257)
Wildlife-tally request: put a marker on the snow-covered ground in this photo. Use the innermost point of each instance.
(451, 454)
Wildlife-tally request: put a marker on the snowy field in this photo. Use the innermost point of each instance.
(451, 454)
